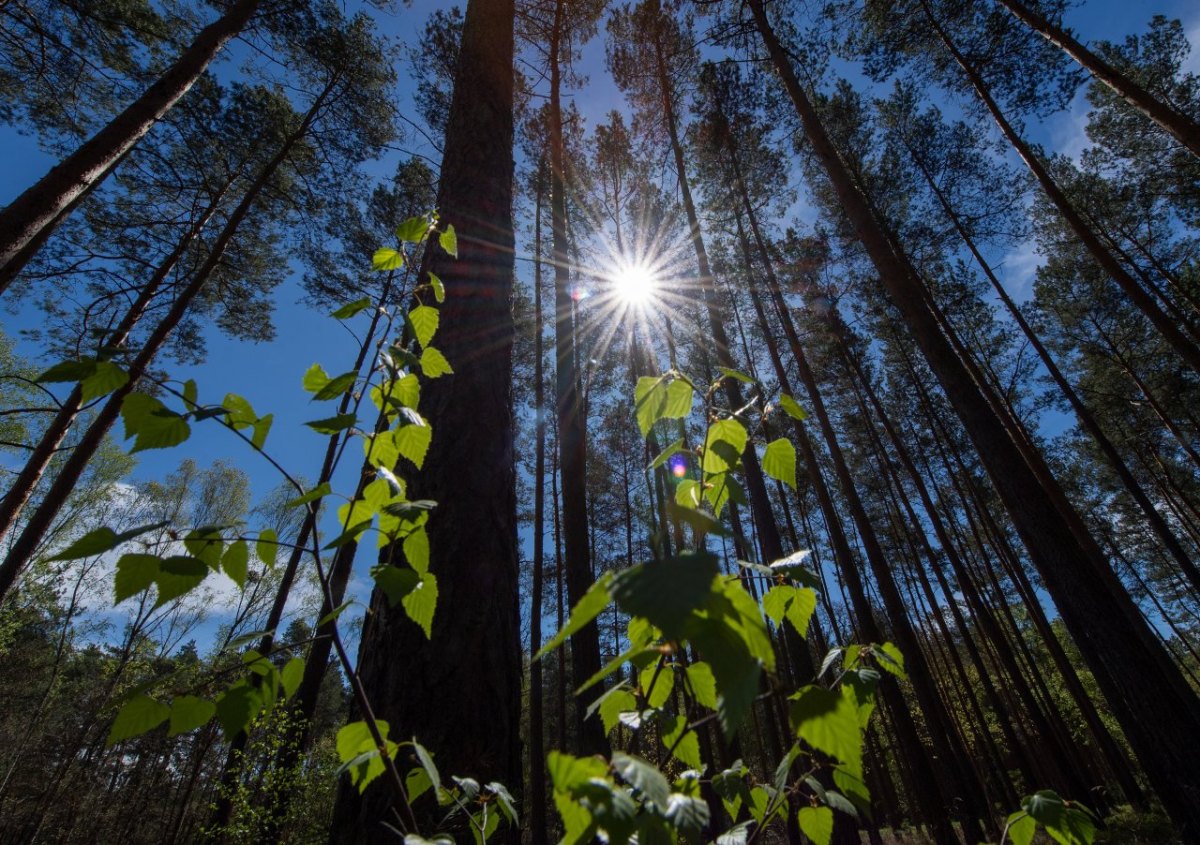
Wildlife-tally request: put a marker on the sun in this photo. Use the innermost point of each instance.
(634, 284)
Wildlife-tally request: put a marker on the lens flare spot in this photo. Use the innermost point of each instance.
(678, 464)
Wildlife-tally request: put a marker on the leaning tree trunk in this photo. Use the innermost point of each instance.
(1185, 130)
(460, 694)
(1151, 699)
(31, 218)
(39, 522)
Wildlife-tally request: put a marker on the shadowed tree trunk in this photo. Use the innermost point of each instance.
(459, 693)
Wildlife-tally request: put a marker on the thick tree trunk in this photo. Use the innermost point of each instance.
(1153, 702)
(31, 218)
(459, 693)
(1185, 130)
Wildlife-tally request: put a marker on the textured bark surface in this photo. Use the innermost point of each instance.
(459, 693)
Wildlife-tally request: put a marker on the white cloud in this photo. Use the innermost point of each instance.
(1018, 268)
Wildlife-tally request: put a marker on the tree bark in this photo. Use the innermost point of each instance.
(460, 694)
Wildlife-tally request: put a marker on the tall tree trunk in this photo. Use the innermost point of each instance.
(460, 694)
(1087, 419)
(31, 218)
(931, 805)
(537, 752)
(1153, 702)
(1185, 130)
(572, 416)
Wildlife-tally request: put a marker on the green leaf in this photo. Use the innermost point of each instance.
(236, 562)
(315, 378)
(723, 446)
(412, 442)
(1021, 828)
(424, 321)
(687, 494)
(434, 363)
(449, 241)
(568, 773)
(135, 574)
(796, 604)
(505, 800)
(666, 453)
(178, 575)
(67, 371)
(336, 386)
(792, 408)
(439, 289)
(413, 229)
(359, 755)
(106, 378)
(587, 609)
(237, 707)
(152, 424)
(613, 703)
(416, 550)
(267, 547)
(643, 776)
(422, 602)
(660, 397)
(396, 582)
(101, 540)
(667, 592)
(687, 751)
(320, 491)
(141, 714)
(351, 308)
(855, 789)
(657, 684)
(703, 684)
(889, 659)
(426, 761)
(817, 824)
(189, 713)
(828, 721)
(332, 425)
(779, 461)
(291, 675)
(687, 813)
(736, 374)
(387, 258)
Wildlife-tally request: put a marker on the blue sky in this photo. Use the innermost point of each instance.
(269, 374)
